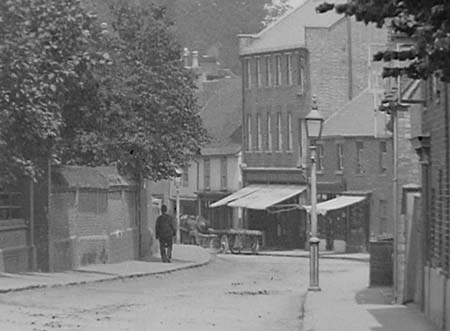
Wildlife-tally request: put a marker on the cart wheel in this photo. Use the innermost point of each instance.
(224, 245)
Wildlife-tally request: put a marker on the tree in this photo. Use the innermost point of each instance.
(144, 115)
(275, 10)
(426, 22)
(43, 53)
(73, 91)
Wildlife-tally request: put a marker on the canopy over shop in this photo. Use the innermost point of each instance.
(274, 210)
(343, 223)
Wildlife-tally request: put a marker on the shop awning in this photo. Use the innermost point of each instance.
(336, 203)
(266, 196)
(236, 195)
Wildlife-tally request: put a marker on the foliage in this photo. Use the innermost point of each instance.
(275, 10)
(144, 115)
(427, 22)
(43, 53)
(74, 92)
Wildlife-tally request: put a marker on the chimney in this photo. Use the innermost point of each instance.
(194, 59)
(186, 57)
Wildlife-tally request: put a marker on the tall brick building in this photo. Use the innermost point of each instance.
(433, 258)
(300, 55)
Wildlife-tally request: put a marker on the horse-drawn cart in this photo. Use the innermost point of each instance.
(238, 240)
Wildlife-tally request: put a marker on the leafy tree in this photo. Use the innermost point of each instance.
(75, 92)
(275, 10)
(427, 22)
(144, 114)
(43, 54)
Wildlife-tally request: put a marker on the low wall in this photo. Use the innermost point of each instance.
(73, 252)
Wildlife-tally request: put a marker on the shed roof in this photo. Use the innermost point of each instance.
(288, 32)
(88, 177)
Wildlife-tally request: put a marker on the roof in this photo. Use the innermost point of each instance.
(288, 32)
(88, 177)
(357, 118)
(222, 116)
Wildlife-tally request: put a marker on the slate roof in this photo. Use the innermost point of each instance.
(357, 118)
(222, 116)
(288, 32)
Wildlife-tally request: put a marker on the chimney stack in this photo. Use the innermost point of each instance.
(194, 59)
(186, 57)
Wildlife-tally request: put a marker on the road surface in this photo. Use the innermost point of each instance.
(233, 292)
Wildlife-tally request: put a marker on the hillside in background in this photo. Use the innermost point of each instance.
(211, 26)
(207, 26)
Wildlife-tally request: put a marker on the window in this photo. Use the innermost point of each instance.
(258, 133)
(269, 132)
(277, 70)
(359, 157)
(340, 156)
(300, 143)
(320, 156)
(289, 69)
(185, 176)
(268, 72)
(279, 133)
(249, 132)
(11, 205)
(223, 173)
(383, 215)
(289, 132)
(382, 157)
(258, 72)
(207, 173)
(248, 74)
(301, 75)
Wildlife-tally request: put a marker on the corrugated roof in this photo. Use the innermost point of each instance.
(288, 31)
(222, 116)
(88, 177)
(357, 118)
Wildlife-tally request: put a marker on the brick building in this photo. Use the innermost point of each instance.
(356, 149)
(433, 219)
(300, 55)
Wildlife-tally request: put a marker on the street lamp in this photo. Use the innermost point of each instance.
(179, 173)
(314, 124)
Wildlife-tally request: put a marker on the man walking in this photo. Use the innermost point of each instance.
(165, 231)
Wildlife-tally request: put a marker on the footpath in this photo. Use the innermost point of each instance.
(185, 256)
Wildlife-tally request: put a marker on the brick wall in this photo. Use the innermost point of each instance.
(380, 184)
(92, 226)
(437, 124)
(339, 68)
(273, 99)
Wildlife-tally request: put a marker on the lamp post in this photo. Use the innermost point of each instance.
(179, 172)
(314, 124)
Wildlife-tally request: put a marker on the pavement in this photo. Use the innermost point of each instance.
(344, 303)
(185, 256)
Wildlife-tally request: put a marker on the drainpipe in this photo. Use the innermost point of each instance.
(199, 207)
